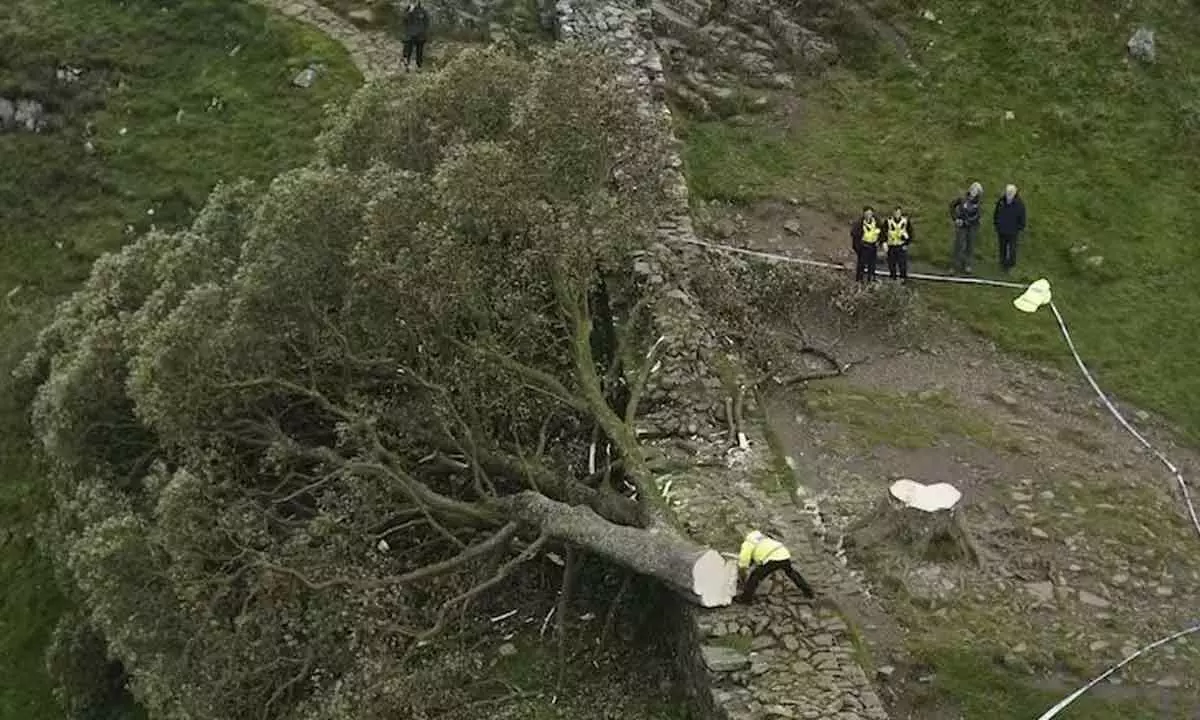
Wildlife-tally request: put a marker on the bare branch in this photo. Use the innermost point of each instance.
(310, 393)
(496, 541)
(305, 669)
(639, 383)
(500, 576)
(542, 380)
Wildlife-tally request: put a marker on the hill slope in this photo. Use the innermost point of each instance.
(1041, 94)
(173, 98)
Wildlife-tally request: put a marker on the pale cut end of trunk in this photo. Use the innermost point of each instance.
(714, 579)
(926, 498)
(923, 522)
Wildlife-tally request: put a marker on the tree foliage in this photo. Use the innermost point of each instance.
(288, 441)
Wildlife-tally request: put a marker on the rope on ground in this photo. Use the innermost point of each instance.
(1099, 678)
(1183, 487)
(1062, 326)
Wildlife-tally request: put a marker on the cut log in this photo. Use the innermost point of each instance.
(922, 521)
(699, 574)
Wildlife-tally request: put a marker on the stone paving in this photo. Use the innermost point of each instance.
(782, 657)
(375, 53)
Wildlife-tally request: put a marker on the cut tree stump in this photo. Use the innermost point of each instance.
(922, 521)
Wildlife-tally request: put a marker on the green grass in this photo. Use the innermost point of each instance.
(629, 686)
(144, 62)
(985, 690)
(901, 420)
(1105, 152)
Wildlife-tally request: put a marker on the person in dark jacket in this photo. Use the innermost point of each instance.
(1009, 220)
(898, 233)
(416, 32)
(864, 239)
(966, 212)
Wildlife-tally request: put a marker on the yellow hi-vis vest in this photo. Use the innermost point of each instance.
(897, 231)
(760, 549)
(870, 232)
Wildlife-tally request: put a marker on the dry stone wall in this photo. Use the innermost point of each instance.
(780, 658)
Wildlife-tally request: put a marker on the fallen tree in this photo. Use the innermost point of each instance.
(288, 442)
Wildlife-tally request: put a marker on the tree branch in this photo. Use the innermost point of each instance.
(500, 576)
(495, 542)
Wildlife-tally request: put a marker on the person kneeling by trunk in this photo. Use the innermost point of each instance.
(762, 556)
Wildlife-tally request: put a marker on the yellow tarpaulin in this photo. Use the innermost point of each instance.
(1035, 296)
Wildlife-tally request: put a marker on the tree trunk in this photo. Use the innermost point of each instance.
(701, 575)
(922, 521)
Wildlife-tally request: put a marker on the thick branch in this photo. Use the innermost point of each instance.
(700, 574)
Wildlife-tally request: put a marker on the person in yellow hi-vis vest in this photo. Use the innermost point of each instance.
(899, 235)
(864, 240)
(762, 556)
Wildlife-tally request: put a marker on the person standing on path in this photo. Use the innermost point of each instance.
(416, 32)
(864, 239)
(763, 556)
(899, 235)
(1009, 220)
(966, 212)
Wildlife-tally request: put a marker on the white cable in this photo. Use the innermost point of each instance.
(1073, 696)
(1062, 326)
(1187, 497)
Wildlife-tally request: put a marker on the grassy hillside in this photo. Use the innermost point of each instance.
(180, 94)
(1039, 93)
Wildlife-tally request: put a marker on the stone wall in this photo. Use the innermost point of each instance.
(685, 395)
(781, 658)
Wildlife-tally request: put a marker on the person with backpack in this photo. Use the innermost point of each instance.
(966, 212)
(416, 32)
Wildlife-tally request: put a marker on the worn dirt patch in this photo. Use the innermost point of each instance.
(1088, 551)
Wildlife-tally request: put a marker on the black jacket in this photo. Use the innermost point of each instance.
(416, 23)
(967, 210)
(1009, 217)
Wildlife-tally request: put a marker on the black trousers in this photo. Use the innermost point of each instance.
(760, 572)
(1008, 250)
(867, 256)
(897, 260)
(414, 49)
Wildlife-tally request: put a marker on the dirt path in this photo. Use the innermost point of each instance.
(375, 53)
(1089, 551)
